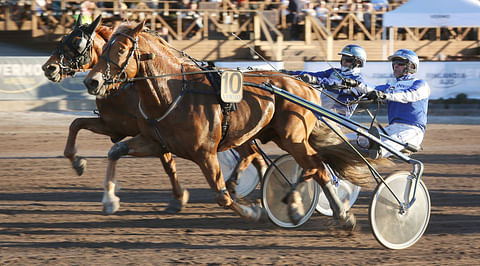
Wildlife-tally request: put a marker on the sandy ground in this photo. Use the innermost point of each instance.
(49, 215)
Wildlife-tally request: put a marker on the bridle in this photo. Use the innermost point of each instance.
(121, 76)
(82, 52)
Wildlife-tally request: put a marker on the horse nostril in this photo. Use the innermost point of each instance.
(91, 84)
(52, 68)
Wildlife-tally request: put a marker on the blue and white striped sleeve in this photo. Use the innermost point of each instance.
(418, 91)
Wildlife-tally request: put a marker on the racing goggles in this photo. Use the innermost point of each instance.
(348, 59)
(400, 62)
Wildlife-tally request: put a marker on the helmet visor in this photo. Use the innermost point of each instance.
(399, 61)
(348, 59)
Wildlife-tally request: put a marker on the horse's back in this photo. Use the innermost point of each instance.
(263, 114)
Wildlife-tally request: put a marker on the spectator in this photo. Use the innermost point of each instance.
(197, 19)
(359, 10)
(86, 11)
(309, 8)
(40, 7)
(295, 8)
(380, 5)
(368, 15)
(164, 34)
(322, 11)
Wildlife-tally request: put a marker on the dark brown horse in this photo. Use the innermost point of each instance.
(178, 98)
(118, 112)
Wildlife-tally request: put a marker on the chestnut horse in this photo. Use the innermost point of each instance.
(177, 97)
(118, 112)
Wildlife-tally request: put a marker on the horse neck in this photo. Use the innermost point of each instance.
(158, 94)
(103, 33)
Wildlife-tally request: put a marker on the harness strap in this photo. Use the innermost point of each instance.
(153, 123)
(172, 106)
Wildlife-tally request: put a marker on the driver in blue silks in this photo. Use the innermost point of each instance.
(407, 102)
(353, 59)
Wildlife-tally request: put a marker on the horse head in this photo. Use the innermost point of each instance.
(76, 51)
(118, 62)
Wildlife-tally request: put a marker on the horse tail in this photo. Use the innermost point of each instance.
(340, 156)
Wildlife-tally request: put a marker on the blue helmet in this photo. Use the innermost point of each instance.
(357, 52)
(411, 56)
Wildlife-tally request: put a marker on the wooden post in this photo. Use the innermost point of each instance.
(278, 56)
(256, 28)
(35, 31)
(179, 26)
(205, 24)
(329, 47)
(308, 30)
(63, 19)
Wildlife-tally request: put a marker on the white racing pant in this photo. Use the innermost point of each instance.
(401, 132)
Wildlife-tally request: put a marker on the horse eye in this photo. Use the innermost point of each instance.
(122, 50)
(77, 43)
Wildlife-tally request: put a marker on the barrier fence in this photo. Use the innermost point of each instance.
(21, 78)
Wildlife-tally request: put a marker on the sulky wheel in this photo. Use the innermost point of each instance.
(249, 179)
(393, 227)
(275, 188)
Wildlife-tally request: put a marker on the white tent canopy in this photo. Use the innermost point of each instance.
(434, 13)
(431, 13)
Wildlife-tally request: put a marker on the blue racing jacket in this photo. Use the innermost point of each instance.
(407, 101)
(328, 79)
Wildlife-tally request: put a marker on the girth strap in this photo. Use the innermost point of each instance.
(214, 79)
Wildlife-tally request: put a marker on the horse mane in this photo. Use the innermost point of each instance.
(127, 28)
(104, 32)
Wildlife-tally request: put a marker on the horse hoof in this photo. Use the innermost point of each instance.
(349, 222)
(111, 207)
(176, 205)
(261, 214)
(295, 207)
(79, 165)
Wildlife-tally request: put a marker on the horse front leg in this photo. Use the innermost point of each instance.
(95, 125)
(211, 169)
(111, 202)
(140, 146)
(180, 195)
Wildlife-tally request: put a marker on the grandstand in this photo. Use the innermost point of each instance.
(204, 28)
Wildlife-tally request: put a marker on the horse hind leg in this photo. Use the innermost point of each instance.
(346, 219)
(234, 179)
(180, 195)
(248, 153)
(315, 169)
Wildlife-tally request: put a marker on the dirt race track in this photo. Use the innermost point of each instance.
(49, 215)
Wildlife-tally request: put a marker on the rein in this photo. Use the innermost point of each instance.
(196, 62)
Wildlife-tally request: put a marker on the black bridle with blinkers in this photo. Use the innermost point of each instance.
(80, 47)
